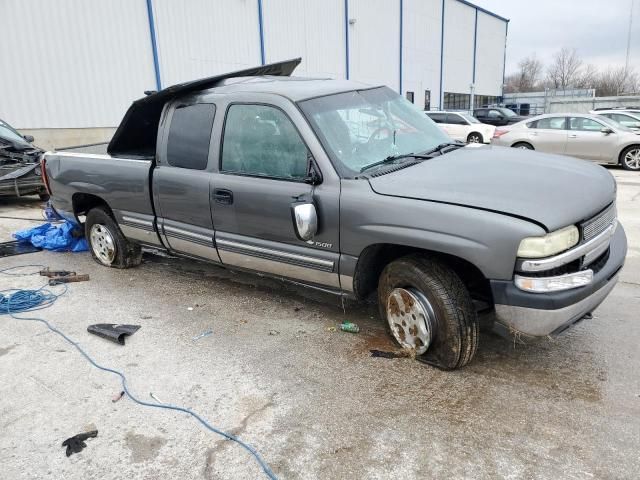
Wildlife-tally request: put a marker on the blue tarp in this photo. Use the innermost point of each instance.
(65, 237)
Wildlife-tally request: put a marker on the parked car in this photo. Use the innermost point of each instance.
(463, 127)
(591, 137)
(350, 189)
(497, 116)
(19, 164)
(627, 118)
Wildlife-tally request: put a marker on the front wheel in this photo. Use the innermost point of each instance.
(630, 158)
(475, 137)
(523, 146)
(108, 245)
(429, 310)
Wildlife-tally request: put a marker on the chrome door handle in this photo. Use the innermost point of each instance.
(573, 136)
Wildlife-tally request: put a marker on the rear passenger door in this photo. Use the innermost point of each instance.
(265, 149)
(457, 127)
(549, 134)
(181, 180)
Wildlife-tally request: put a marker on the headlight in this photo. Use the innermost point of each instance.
(550, 244)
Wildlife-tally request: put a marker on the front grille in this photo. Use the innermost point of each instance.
(596, 225)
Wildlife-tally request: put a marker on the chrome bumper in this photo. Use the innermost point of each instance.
(540, 323)
(542, 314)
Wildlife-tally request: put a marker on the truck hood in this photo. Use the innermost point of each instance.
(551, 190)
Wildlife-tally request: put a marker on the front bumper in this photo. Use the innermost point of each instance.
(539, 315)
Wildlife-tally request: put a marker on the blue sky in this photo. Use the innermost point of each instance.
(597, 29)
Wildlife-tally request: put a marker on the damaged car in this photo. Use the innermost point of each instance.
(20, 172)
(350, 189)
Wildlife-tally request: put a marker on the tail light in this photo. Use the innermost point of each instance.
(43, 170)
(499, 133)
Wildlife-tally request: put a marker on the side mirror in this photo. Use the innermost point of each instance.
(606, 130)
(313, 172)
(306, 220)
(28, 138)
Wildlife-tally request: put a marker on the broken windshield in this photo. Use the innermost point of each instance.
(363, 127)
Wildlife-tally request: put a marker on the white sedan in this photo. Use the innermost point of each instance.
(463, 127)
(591, 137)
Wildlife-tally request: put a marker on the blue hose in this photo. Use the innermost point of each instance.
(14, 301)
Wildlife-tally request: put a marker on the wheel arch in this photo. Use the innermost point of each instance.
(624, 149)
(375, 257)
(83, 202)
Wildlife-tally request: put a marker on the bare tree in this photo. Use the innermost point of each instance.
(615, 81)
(527, 78)
(588, 77)
(566, 69)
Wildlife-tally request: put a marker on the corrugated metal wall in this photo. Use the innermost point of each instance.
(492, 37)
(311, 29)
(421, 49)
(72, 63)
(459, 28)
(200, 38)
(80, 63)
(374, 42)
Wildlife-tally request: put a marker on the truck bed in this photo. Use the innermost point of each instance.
(79, 179)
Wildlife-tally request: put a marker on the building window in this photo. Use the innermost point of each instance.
(427, 100)
(480, 101)
(457, 101)
(410, 96)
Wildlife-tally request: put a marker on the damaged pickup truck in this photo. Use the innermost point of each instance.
(19, 164)
(350, 189)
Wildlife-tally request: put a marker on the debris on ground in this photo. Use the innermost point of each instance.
(118, 397)
(76, 443)
(64, 237)
(190, 309)
(113, 331)
(349, 327)
(56, 277)
(404, 353)
(203, 334)
(274, 332)
(8, 249)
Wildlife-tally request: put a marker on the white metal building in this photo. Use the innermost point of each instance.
(80, 63)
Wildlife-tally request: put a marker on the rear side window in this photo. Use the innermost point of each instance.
(190, 135)
(261, 140)
(455, 119)
(438, 117)
(552, 123)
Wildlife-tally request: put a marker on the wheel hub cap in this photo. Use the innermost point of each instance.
(411, 319)
(102, 243)
(632, 159)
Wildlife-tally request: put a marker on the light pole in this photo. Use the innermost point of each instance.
(626, 65)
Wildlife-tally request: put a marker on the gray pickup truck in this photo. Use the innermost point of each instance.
(350, 189)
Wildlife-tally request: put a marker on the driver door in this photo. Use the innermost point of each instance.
(262, 170)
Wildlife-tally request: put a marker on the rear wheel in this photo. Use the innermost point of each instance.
(475, 137)
(630, 158)
(108, 245)
(523, 146)
(429, 310)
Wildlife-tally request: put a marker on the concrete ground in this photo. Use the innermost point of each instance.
(310, 400)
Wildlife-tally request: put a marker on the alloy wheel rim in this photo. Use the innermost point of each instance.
(474, 139)
(102, 243)
(411, 319)
(632, 159)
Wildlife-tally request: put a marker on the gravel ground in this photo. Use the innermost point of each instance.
(311, 400)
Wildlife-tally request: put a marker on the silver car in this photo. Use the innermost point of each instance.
(591, 137)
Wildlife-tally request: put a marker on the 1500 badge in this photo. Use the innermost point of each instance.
(320, 244)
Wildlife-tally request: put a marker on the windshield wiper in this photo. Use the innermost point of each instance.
(393, 158)
(442, 146)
